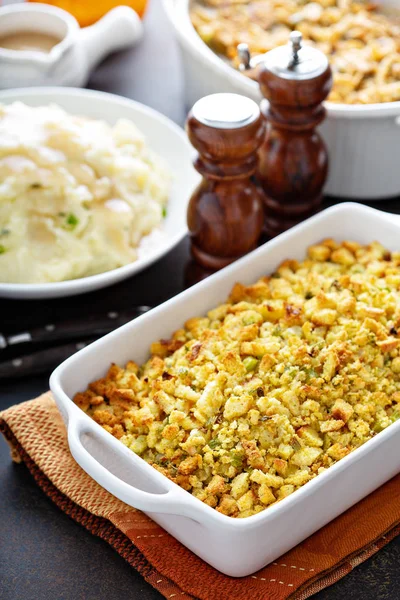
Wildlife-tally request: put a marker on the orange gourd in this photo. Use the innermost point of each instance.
(88, 12)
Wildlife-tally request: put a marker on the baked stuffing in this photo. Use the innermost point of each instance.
(362, 43)
(244, 406)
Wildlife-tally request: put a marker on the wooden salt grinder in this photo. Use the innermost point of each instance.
(225, 214)
(293, 167)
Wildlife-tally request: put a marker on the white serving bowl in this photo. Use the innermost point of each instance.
(162, 135)
(236, 547)
(363, 140)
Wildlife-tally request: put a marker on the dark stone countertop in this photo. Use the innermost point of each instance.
(44, 555)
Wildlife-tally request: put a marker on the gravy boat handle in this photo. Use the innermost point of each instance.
(118, 29)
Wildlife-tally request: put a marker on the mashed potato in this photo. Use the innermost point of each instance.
(76, 195)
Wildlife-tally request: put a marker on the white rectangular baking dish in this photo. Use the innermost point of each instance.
(236, 547)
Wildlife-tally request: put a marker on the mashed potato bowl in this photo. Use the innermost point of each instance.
(163, 137)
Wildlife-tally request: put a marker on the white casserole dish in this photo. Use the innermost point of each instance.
(363, 140)
(236, 547)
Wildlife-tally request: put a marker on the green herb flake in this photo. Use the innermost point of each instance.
(250, 363)
(291, 371)
(395, 416)
(71, 221)
(3, 249)
(36, 186)
(159, 458)
(164, 212)
(311, 374)
(249, 320)
(294, 442)
(4, 231)
(214, 443)
(236, 459)
(378, 427)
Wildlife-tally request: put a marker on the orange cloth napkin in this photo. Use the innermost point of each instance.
(37, 437)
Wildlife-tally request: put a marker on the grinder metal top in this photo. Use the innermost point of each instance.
(293, 61)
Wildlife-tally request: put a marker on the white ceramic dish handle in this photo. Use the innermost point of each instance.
(169, 502)
(119, 28)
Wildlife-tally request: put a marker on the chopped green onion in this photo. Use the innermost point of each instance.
(291, 371)
(249, 320)
(236, 459)
(214, 443)
(378, 427)
(164, 212)
(72, 221)
(250, 363)
(311, 373)
(294, 442)
(395, 415)
(3, 249)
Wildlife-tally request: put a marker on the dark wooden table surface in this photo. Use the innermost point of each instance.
(44, 555)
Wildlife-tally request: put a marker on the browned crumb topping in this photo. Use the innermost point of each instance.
(244, 406)
(361, 42)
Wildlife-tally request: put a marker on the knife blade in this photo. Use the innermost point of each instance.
(40, 362)
(73, 329)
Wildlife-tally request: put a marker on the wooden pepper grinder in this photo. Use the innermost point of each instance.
(293, 167)
(225, 214)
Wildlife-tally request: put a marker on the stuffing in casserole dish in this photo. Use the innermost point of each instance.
(244, 406)
(363, 45)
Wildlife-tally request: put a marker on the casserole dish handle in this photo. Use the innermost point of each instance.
(169, 502)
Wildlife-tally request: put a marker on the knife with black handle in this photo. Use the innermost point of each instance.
(74, 329)
(39, 362)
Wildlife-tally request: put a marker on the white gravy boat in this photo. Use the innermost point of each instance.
(71, 61)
